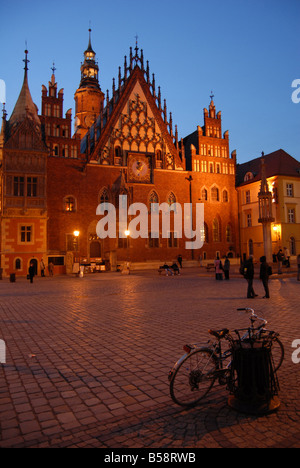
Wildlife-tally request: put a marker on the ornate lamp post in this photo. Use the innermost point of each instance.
(265, 211)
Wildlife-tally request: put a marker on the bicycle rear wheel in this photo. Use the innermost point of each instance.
(194, 377)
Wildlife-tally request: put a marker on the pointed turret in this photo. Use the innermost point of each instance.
(25, 107)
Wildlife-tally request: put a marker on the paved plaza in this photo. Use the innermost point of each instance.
(87, 361)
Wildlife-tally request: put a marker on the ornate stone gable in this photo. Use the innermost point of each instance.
(133, 121)
(26, 136)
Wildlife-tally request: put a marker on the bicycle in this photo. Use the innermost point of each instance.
(194, 374)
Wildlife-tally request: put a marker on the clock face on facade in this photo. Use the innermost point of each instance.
(89, 120)
(139, 169)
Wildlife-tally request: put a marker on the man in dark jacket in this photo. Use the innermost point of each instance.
(31, 272)
(264, 275)
(249, 275)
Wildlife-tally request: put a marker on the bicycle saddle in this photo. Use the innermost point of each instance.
(219, 334)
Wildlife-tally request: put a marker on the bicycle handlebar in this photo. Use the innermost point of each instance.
(248, 309)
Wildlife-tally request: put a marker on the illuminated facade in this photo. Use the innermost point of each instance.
(283, 179)
(124, 144)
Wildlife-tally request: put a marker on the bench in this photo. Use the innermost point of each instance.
(163, 270)
(209, 266)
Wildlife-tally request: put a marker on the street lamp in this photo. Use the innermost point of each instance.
(127, 233)
(126, 266)
(76, 237)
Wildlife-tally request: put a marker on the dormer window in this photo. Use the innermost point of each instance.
(248, 176)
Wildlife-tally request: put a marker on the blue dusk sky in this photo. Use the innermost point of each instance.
(247, 52)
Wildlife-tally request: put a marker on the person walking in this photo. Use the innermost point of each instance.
(218, 268)
(51, 268)
(43, 267)
(264, 276)
(249, 276)
(31, 272)
(287, 257)
(298, 264)
(280, 258)
(226, 268)
(179, 259)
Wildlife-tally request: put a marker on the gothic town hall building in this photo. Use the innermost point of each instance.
(124, 143)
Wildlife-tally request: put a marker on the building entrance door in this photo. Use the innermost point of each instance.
(95, 249)
(35, 264)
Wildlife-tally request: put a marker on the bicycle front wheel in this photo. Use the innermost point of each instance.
(194, 377)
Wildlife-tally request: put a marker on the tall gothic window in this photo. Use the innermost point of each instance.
(215, 194)
(216, 230)
(171, 199)
(153, 198)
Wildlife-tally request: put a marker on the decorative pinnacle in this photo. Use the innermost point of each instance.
(26, 61)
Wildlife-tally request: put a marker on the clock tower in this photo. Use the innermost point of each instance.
(88, 97)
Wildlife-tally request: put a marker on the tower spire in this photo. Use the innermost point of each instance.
(25, 106)
(88, 97)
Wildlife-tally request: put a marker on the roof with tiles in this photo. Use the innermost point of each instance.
(277, 163)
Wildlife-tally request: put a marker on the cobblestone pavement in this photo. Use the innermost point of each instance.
(88, 359)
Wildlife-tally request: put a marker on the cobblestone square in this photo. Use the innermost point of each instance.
(87, 361)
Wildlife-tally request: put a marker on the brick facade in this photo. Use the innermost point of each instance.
(114, 138)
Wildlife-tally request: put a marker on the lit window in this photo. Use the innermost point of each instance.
(289, 190)
(291, 215)
(69, 204)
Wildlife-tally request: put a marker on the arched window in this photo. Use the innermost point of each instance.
(204, 195)
(225, 196)
(215, 194)
(118, 151)
(248, 176)
(18, 264)
(153, 198)
(293, 246)
(159, 155)
(104, 196)
(228, 233)
(69, 204)
(251, 247)
(216, 230)
(206, 238)
(171, 199)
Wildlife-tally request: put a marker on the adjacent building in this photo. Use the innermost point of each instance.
(282, 173)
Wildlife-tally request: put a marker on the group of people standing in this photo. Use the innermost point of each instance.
(247, 270)
(282, 258)
(220, 268)
(32, 270)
